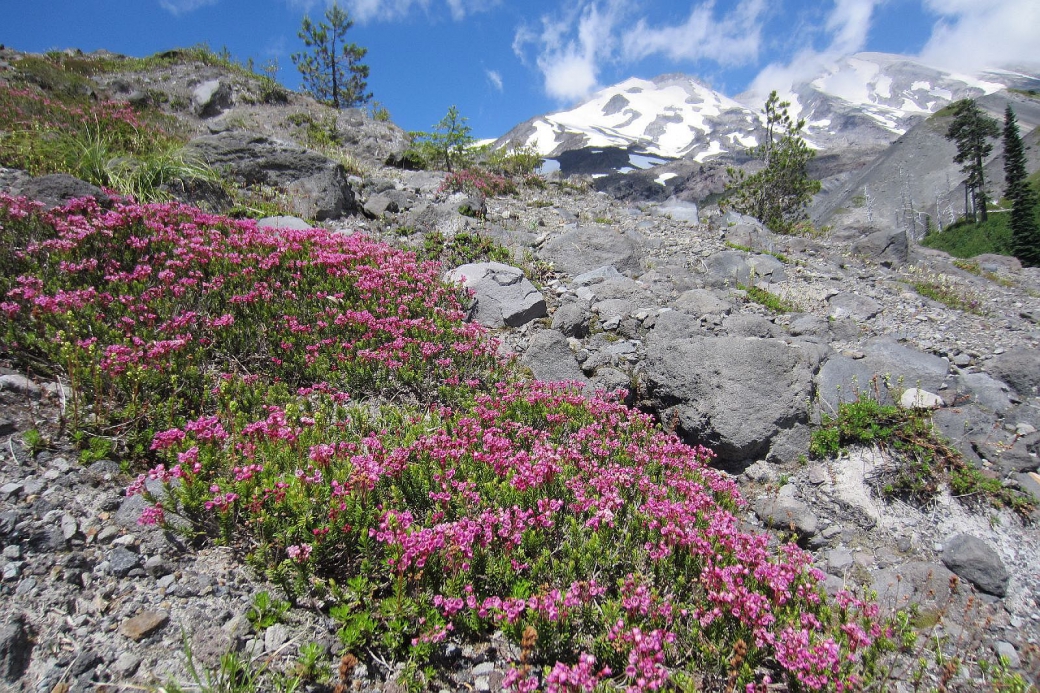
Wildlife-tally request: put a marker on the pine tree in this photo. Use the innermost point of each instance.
(332, 69)
(778, 194)
(1025, 231)
(448, 145)
(972, 129)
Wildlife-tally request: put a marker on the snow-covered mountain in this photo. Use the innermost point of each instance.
(873, 98)
(864, 101)
(669, 116)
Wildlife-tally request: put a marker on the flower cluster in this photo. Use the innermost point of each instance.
(476, 180)
(315, 399)
(145, 300)
(534, 506)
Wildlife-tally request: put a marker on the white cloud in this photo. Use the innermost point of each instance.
(571, 48)
(847, 26)
(731, 39)
(495, 78)
(388, 10)
(975, 34)
(179, 7)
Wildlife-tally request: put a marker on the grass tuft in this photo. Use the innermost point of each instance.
(923, 463)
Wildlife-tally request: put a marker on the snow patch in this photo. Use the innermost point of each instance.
(883, 87)
(743, 140)
(714, 149)
(665, 177)
(544, 138)
(644, 162)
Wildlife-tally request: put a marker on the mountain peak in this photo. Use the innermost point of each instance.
(862, 100)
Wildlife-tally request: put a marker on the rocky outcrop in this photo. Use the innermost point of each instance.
(502, 295)
(550, 358)
(975, 561)
(315, 187)
(731, 394)
(589, 247)
(55, 189)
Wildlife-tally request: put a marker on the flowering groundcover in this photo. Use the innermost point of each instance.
(316, 401)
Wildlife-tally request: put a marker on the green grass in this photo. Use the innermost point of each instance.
(923, 462)
(748, 249)
(50, 122)
(768, 299)
(1031, 93)
(965, 239)
(973, 267)
(943, 291)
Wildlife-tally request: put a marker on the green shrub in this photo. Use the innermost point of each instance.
(515, 161)
(939, 288)
(923, 463)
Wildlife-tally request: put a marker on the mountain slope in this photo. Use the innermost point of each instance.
(669, 116)
(864, 101)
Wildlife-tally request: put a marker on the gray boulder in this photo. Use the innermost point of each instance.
(887, 248)
(750, 326)
(905, 367)
(727, 268)
(766, 269)
(16, 647)
(316, 187)
(1012, 454)
(380, 204)
(843, 380)
(785, 511)
(572, 319)
(549, 357)
(211, 98)
(701, 302)
(887, 365)
(981, 389)
(1019, 368)
(965, 426)
(674, 324)
(975, 561)
(503, 294)
(56, 189)
(283, 222)
(731, 394)
(591, 247)
(921, 583)
(853, 305)
(754, 236)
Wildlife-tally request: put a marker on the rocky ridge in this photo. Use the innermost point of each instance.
(643, 298)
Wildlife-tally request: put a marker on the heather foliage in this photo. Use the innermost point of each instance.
(315, 401)
(531, 508)
(142, 306)
(480, 181)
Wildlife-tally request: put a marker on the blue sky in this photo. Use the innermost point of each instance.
(504, 61)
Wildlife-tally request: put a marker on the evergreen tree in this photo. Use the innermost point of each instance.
(972, 129)
(778, 194)
(1025, 231)
(448, 145)
(331, 68)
